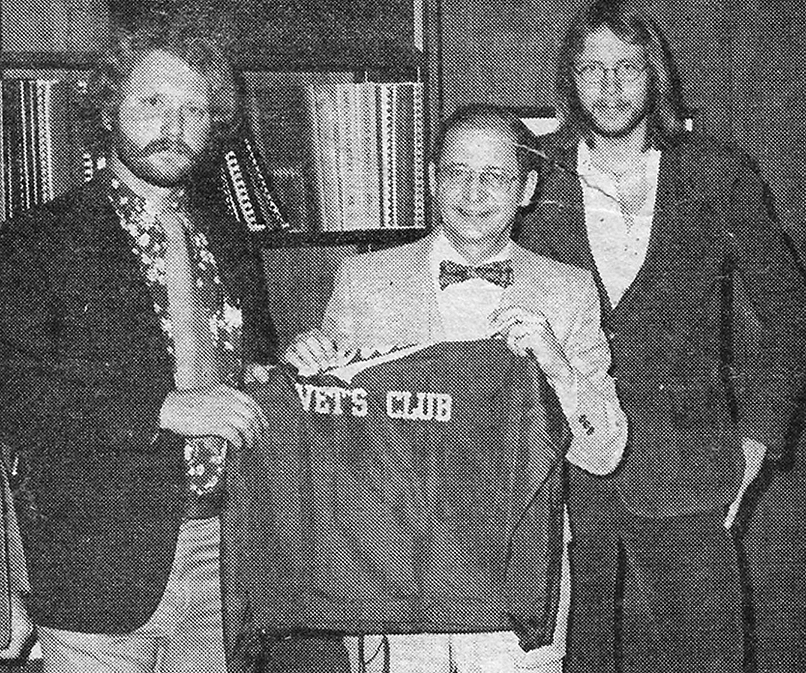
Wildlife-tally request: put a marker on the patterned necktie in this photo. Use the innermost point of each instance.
(498, 273)
(194, 347)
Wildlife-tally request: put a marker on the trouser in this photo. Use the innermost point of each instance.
(660, 595)
(184, 635)
(775, 554)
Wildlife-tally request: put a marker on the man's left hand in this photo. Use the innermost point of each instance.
(753, 458)
(529, 333)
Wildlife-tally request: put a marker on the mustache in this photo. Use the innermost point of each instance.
(618, 104)
(178, 146)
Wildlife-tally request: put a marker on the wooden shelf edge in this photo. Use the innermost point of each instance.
(50, 60)
(293, 239)
(398, 62)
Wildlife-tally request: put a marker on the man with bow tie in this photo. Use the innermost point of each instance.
(465, 281)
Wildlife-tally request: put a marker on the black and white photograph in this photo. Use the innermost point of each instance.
(402, 336)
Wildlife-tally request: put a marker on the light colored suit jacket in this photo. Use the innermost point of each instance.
(388, 298)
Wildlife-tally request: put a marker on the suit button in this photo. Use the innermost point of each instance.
(611, 335)
(661, 386)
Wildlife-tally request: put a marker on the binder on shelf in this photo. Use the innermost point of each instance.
(355, 163)
(41, 148)
(322, 116)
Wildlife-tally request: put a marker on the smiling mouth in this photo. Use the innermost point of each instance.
(464, 212)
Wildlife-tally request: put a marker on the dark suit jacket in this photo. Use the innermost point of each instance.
(84, 369)
(666, 333)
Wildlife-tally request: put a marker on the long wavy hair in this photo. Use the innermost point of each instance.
(628, 21)
(201, 52)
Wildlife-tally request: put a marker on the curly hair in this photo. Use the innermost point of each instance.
(201, 52)
(628, 21)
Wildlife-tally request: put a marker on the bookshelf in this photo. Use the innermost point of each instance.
(349, 59)
(370, 47)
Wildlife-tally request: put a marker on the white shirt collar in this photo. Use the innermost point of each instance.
(444, 249)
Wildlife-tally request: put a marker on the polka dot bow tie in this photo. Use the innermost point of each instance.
(498, 273)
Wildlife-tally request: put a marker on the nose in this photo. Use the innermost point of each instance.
(173, 122)
(610, 82)
(473, 189)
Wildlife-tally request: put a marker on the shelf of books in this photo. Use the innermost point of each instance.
(321, 159)
(328, 161)
(43, 154)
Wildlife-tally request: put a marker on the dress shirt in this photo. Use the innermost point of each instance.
(619, 245)
(191, 305)
(464, 307)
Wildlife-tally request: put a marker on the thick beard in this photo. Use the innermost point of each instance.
(136, 160)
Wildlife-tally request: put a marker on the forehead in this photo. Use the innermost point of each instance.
(479, 147)
(164, 72)
(605, 46)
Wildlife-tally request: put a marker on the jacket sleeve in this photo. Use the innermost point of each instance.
(49, 398)
(769, 314)
(598, 425)
(14, 564)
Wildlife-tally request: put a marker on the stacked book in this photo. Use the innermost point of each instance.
(42, 153)
(342, 156)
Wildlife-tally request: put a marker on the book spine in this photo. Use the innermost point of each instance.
(327, 144)
(26, 128)
(394, 175)
(3, 161)
(13, 145)
(271, 216)
(370, 158)
(45, 139)
(419, 156)
(228, 191)
(349, 171)
(404, 132)
(385, 124)
(240, 193)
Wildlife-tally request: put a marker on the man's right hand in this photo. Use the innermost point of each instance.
(312, 352)
(217, 410)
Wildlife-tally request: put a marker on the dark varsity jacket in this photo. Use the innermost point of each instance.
(422, 496)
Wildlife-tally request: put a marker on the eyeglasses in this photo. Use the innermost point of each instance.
(491, 180)
(593, 72)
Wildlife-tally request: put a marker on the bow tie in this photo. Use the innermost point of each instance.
(498, 273)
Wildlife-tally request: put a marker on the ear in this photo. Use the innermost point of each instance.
(529, 188)
(432, 178)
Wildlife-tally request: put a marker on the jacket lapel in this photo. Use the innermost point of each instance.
(562, 203)
(412, 298)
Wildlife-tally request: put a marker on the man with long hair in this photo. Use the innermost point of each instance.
(132, 309)
(699, 299)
